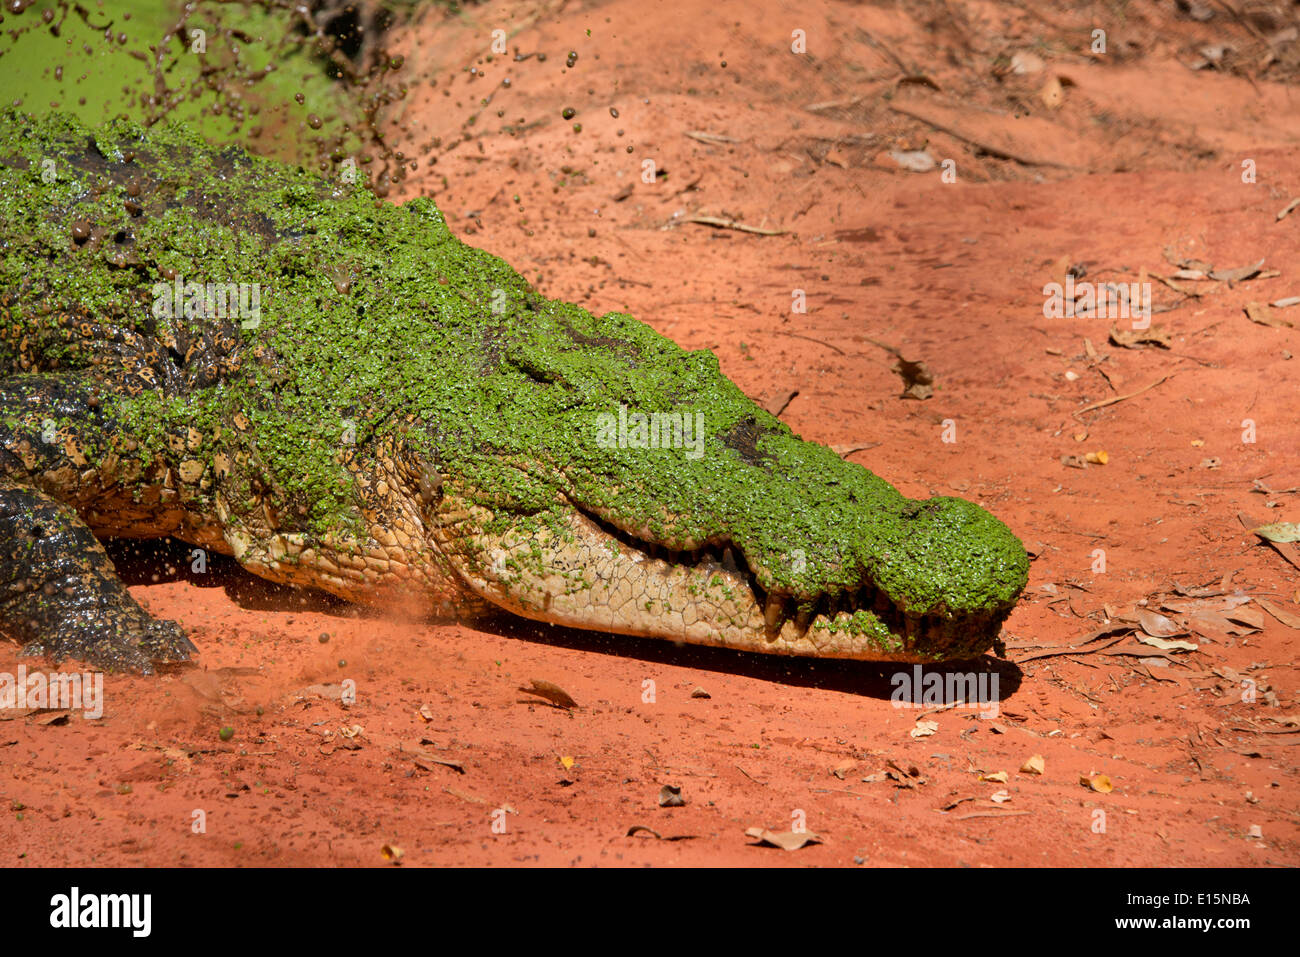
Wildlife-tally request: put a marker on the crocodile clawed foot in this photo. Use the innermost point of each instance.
(61, 597)
(136, 645)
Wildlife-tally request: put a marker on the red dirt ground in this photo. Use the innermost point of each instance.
(1141, 163)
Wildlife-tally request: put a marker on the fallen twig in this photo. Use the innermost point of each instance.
(834, 104)
(1120, 398)
(711, 138)
(888, 51)
(820, 342)
(1072, 650)
(721, 223)
(999, 151)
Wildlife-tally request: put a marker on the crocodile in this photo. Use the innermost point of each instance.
(274, 364)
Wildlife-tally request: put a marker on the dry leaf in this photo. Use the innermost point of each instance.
(700, 693)
(1158, 625)
(1238, 274)
(776, 403)
(1035, 765)
(426, 712)
(843, 768)
(423, 759)
(551, 692)
(1166, 645)
(1097, 458)
(843, 451)
(1278, 612)
(1001, 777)
(1211, 626)
(391, 852)
(350, 738)
(670, 795)
(837, 157)
(1098, 782)
(1279, 532)
(566, 762)
(957, 803)
(1246, 616)
(1261, 314)
(924, 729)
(640, 828)
(1000, 797)
(910, 778)
(918, 380)
(790, 840)
(1136, 338)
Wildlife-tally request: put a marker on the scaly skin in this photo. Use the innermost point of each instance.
(409, 424)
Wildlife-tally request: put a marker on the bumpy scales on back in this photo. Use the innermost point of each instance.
(340, 394)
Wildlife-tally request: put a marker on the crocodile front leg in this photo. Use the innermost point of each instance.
(61, 465)
(60, 595)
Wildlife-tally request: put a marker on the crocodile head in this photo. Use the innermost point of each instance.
(631, 487)
(407, 419)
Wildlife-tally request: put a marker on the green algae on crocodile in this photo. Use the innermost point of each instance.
(397, 382)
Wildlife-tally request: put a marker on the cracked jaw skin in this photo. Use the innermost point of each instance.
(581, 571)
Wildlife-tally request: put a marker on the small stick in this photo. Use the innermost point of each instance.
(797, 335)
(712, 138)
(833, 104)
(999, 151)
(732, 224)
(1071, 650)
(1120, 398)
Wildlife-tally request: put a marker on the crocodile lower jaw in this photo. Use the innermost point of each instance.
(582, 575)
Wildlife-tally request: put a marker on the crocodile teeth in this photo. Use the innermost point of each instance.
(803, 617)
(774, 613)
